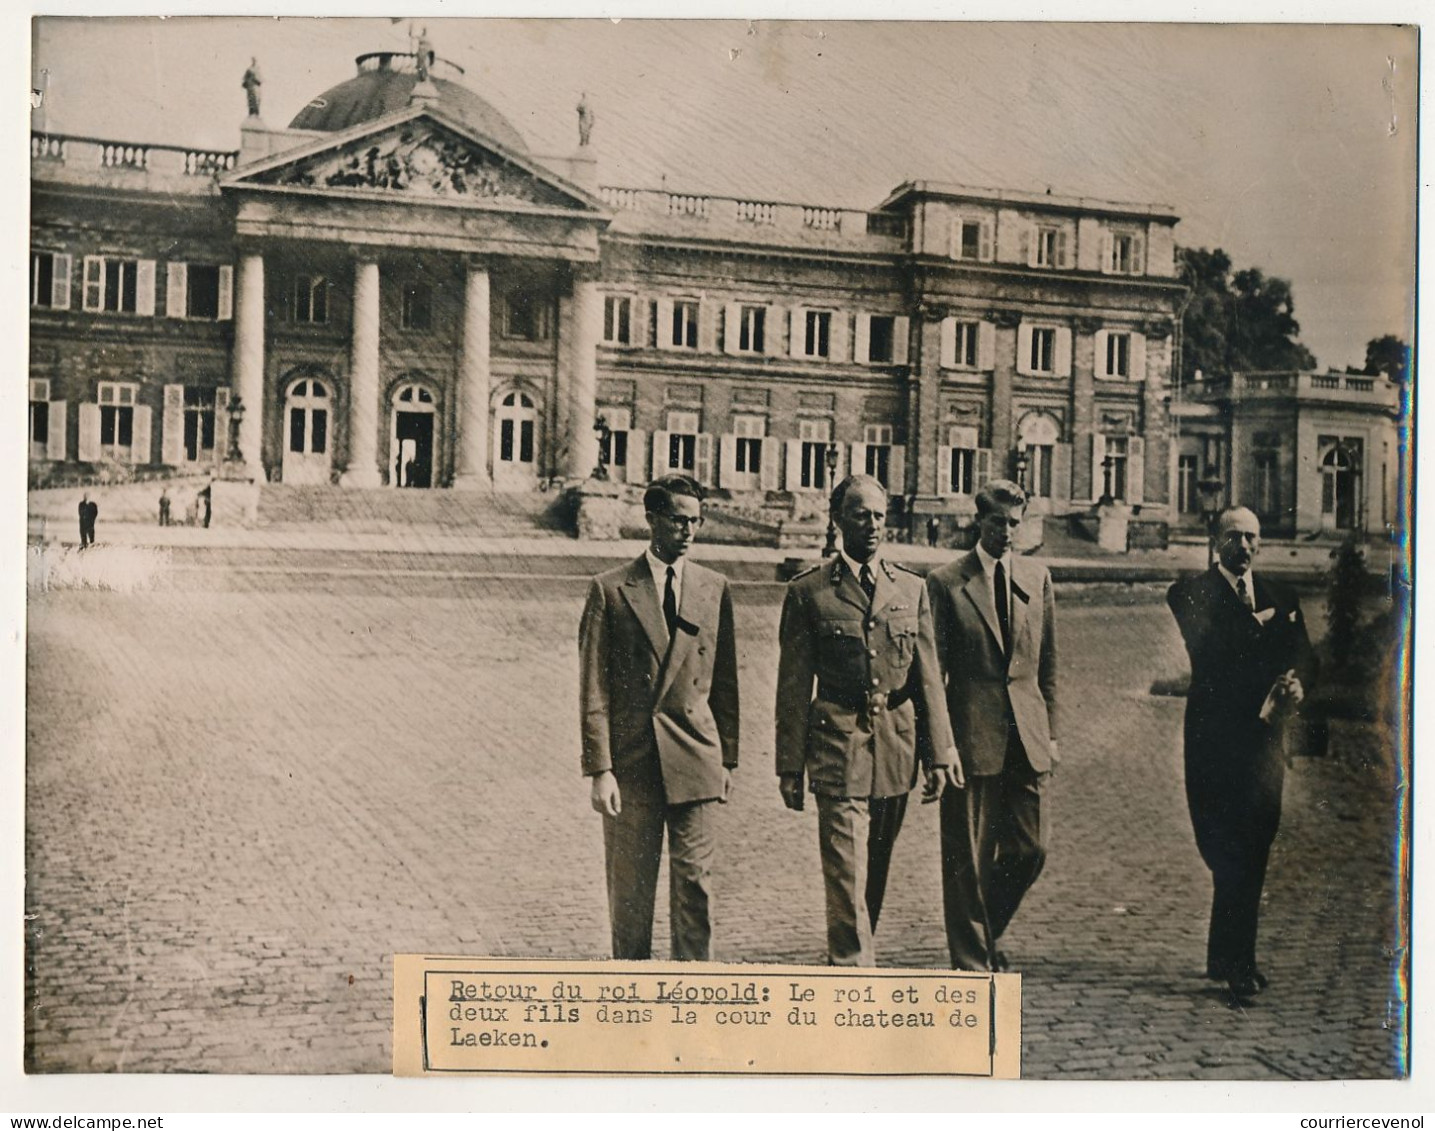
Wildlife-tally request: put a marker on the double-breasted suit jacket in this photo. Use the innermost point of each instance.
(663, 719)
(857, 686)
(986, 689)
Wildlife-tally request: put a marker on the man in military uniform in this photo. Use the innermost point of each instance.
(859, 628)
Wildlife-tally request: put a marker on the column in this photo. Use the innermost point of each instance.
(472, 471)
(249, 362)
(581, 392)
(363, 470)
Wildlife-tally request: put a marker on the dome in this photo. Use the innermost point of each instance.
(384, 83)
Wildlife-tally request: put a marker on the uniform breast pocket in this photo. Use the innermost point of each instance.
(903, 634)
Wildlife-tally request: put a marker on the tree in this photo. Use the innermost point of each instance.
(1236, 322)
(1389, 355)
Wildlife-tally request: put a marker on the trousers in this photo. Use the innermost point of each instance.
(855, 837)
(633, 848)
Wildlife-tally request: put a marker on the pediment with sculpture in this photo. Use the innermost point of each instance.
(421, 158)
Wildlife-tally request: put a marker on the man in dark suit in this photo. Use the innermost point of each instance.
(859, 629)
(995, 619)
(1250, 663)
(660, 722)
(89, 512)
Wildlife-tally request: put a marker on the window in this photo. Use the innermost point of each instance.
(117, 414)
(515, 429)
(682, 440)
(198, 422)
(752, 329)
(50, 280)
(966, 344)
(685, 324)
(1037, 437)
(614, 444)
(1118, 355)
(1188, 499)
(1114, 468)
(1123, 254)
(817, 333)
(815, 436)
(971, 238)
(311, 299)
(527, 319)
(1268, 487)
(120, 286)
(1049, 246)
(966, 465)
(878, 459)
(881, 338)
(39, 417)
(618, 320)
(1042, 358)
(417, 313)
(749, 431)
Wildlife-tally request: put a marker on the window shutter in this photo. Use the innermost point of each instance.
(1023, 349)
(642, 307)
(949, 343)
(901, 335)
(797, 332)
(897, 469)
(226, 293)
(792, 473)
(221, 424)
(1138, 357)
(1107, 244)
(659, 464)
(1027, 248)
(984, 253)
(984, 468)
(1136, 470)
(637, 453)
(60, 285)
(1138, 255)
(55, 440)
(1063, 351)
(732, 327)
(707, 325)
(89, 433)
(772, 331)
(944, 470)
(703, 459)
(1061, 249)
(140, 445)
(171, 435)
(842, 470)
(768, 461)
(665, 323)
(1101, 365)
(1061, 472)
(94, 290)
(1098, 453)
(176, 287)
(859, 460)
(144, 288)
(954, 249)
(987, 346)
(862, 339)
(839, 345)
(727, 460)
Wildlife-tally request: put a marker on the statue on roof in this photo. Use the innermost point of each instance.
(586, 118)
(424, 56)
(251, 84)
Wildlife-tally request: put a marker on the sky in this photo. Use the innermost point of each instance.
(1292, 147)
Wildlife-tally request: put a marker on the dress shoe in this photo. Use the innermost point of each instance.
(1246, 986)
(1000, 962)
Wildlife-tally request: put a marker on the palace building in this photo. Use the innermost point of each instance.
(400, 294)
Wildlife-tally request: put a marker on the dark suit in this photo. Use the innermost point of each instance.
(1235, 765)
(662, 715)
(877, 698)
(1003, 711)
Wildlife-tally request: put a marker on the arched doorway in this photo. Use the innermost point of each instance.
(1340, 486)
(1038, 437)
(308, 411)
(515, 443)
(411, 436)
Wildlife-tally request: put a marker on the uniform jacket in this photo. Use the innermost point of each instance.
(1236, 656)
(839, 661)
(663, 718)
(985, 689)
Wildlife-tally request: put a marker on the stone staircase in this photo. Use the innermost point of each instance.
(383, 510)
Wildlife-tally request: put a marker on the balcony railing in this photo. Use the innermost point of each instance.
(1348, 387)
(98, 153)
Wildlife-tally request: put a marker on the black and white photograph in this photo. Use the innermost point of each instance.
(911, 494)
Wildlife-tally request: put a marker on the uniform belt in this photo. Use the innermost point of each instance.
(859, 699)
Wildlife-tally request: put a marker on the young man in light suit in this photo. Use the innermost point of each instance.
(995, 622)
(660, 723)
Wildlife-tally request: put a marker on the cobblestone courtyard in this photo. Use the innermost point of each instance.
(245, 795)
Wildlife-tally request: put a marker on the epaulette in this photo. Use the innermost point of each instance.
(908, 569)
(803, 573)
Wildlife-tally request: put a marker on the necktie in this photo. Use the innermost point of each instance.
(868, 583)
(670, 604)
(1244, 594)
(1003, 613)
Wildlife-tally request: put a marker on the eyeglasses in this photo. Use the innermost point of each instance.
(687, 522)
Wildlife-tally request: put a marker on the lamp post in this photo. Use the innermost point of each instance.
(1023, 462)
(1106, 465)
(236, 418)
(605, 436)
(830, 546)
(1210, 491)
